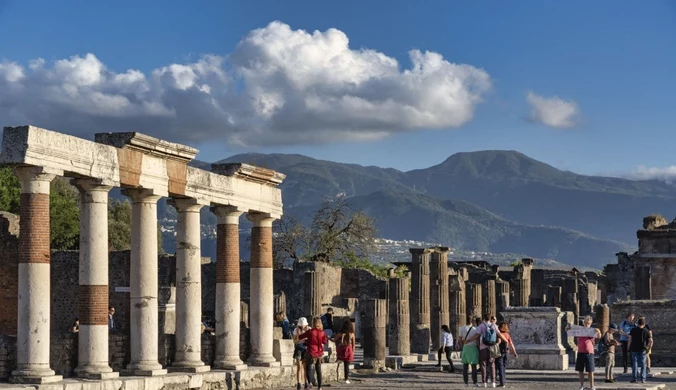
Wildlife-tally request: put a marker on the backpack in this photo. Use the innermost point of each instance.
(490, 336)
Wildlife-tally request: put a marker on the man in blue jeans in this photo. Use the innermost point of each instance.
(640, 341)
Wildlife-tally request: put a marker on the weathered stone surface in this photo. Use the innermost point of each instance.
(474, 300)
(400, 317)
(373, 323)
(420, 300)
(439, 305)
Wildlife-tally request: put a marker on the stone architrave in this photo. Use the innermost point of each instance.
(93, 281)
(228, 289)
(456, 285)
(474, 300)
(33, 319)
(311, 286)
(489, 295)
(188, 288)
(439, 305)
(400, 316)
(373, 324)
(261, 296)
(420, 300)
(144, 310)
(537, 333)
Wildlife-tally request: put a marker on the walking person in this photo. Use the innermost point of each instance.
(640, 340)
(299, 352)
(505, 348)
(610, 343)
(345, 342)
(585, 355)
(470, 351)
(446, 347)
(650, 350)
(316, 338)
(488, 334)
(625, 327)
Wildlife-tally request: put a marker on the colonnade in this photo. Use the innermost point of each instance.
(33, 333)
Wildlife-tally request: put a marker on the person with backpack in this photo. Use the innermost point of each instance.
(299, 351)
(607, 347)
(489, 347)
(625, 328)
(640, 341)
(316, 338)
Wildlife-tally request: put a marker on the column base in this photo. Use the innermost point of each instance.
(233, 365)
(95, 371)
(34, 377)
(141, 372)
(189, 367)
(98, 375)
(263, 361)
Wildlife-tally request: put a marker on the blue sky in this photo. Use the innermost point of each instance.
(614, 61)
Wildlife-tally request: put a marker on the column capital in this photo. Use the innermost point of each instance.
(260, 219)
(34, 180)
(92, 190)
(227, 215)
(185, 205)
(141, 195)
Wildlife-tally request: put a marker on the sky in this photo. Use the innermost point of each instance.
(585, 86)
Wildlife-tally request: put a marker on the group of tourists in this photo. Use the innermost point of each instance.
(309, 348)
(485, 344)
(635, 338)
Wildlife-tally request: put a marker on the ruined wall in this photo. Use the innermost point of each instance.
(9, 255)
(661, 316)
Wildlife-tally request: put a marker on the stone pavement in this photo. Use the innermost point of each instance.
(426, 377)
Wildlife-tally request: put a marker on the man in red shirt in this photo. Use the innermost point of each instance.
(585, 355)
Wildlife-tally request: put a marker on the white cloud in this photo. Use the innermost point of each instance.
(279, 86)
(553, 111)
(665, 174)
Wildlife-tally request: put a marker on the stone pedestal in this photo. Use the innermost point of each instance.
(474, 300)
(144, 310)
(33, 333)
(536, 332)
(420, 300)
(282, 350)
(313, 303)
(439, 305)
(603, 318)
(373, 323)
(261, 301)
(228, 289)
(400, 317)
(93, 294)
(489, 296)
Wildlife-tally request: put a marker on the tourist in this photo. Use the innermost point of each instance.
(283, 322)
(345, 341)
(111, 319)
(650, 350)
(489, 348)
(462, 333)
(470, 351)
(316, 338)
(610, 343)
(585, 355)
(625, 327)
(446, 346)
(327, 322)
(505, 347)
(299, 351)
(640, 341)
(76, 326)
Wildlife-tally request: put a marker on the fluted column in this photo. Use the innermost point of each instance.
(474, 300)
(502, 295)
(456, 285)
(374, 322)
(228, 289)
(33, 319)
(262, 305)
(311, 286)
(439, 314)
(400, 316)
(188, 288)
(143, 285)
(420, 300)
(93, 280)
(489, 305)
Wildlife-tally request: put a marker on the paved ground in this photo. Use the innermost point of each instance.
(428, 378)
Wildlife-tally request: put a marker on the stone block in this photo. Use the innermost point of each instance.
(36, 380)
(398, 362)
(282, 350)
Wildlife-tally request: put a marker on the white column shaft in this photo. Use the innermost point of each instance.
(262, 316)
(228, 298)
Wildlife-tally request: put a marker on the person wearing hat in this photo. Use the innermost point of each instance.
(299, 352)
(610, 342)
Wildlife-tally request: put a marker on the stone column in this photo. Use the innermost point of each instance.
(313, 303)
(280, 302)
(458, 303)
(521, 296)
(143, 306)
(188, 288)
(374, 320)
(261, 301)
(400, 316)
(33, 319)
(439, 305)
(489, 295)
(474, 300)
(228, 289)
(502, 294)
(537, 286)
(603, 318)
(93, 281)
(420, 300)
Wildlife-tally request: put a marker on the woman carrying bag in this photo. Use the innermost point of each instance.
(470, 352)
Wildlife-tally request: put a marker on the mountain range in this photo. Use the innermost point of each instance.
(496, 201)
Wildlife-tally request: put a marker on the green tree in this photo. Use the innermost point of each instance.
(64, 215)
(119, 227)
(10, 190)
